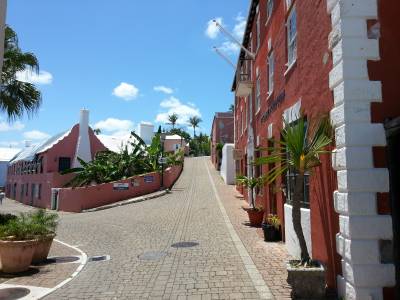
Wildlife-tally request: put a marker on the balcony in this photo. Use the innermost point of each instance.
(244, 85)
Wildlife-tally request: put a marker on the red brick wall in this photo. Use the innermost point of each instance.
(308, 81)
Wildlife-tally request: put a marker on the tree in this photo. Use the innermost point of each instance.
(299, 150)
(232, 108)
(97, 131)
(17, 97)
(194, 122)
(172, 119)
(181, 132)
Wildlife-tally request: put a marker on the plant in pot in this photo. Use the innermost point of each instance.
(256, 213)
(17, 244)
(271, 228)
(44, 225)
(302, 144)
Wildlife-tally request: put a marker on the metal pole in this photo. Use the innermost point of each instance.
(226, 32)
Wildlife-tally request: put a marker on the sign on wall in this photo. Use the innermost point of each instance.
(238, 154)
(120, 186)
(148, 178)
(135, 182)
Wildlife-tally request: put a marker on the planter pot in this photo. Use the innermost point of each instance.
(16, 256)
(255, 216)
(42, 249)
(271, 234)
(307, 283)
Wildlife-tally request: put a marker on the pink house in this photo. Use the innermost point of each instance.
(174, 143)
(35, 171)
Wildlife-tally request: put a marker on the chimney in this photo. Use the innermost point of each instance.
(83, 144)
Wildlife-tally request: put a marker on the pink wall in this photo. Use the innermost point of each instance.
(169, 145)
(78, 199)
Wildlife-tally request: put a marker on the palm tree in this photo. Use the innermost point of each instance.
(172, 119)
(97, 131)
(299, 150)
(17, 97)
(194, 122)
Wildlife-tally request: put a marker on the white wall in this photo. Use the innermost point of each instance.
(292, 243)
(228, 164)
(146, 132)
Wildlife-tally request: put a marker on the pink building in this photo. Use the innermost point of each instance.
(222, 132)
(35, 171)
(174, 143)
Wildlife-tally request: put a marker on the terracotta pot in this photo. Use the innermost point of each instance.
(16, 256)
(255, 216)
(42, 249)
(307, 283)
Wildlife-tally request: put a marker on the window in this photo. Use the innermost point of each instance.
(270, 8)
(258, 32)
(40, 191)
(245, 113)
(290, 182)
(271, 66)
(258, 94)
(249, 108)
(292, 37)
(27, 189)
(64, 163)
(242, 121)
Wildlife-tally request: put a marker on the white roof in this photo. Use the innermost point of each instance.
(115, 143)
(173, 137)
(28, 153)
(7, 154)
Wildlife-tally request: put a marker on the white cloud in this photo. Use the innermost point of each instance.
(16, 126)
(240, 26)
(126, 91)
(174, 105)
(230, 47)
(43, 77)
(36, 135)
(116, 127)
(212, 30)
(163, 89)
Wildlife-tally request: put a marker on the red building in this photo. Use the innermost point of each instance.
(336, 57)
(35, 171)
(222, 132)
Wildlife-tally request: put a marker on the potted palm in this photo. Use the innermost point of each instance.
(17, 244)
(271, 228)
(256, 213)
(300, 149)
(45, 225)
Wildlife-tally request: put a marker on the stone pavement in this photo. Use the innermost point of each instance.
(270, 258)
(146, 263)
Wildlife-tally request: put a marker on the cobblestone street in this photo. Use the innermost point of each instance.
(144, 265)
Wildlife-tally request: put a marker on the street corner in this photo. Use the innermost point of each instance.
(62, 265)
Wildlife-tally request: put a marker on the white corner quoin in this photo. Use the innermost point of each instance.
(361, 228)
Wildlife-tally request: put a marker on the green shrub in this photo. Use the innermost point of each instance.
(5, 218)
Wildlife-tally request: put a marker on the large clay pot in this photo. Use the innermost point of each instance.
(16, 256)
(43, 248)
(255, 216)
(271, 234)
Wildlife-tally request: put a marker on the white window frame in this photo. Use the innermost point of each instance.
(271, 72)
(245, 113)
(258, 39)
(291, 38)
(241, 120)
(258, 94)
(270, 9)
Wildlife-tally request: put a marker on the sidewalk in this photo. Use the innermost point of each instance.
(270, 258)
(64, 262)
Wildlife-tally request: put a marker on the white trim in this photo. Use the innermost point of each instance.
(361, 228)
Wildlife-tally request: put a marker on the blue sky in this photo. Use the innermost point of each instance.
(126, 61)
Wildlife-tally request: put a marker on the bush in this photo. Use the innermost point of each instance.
(26, 226)
(5, 218)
